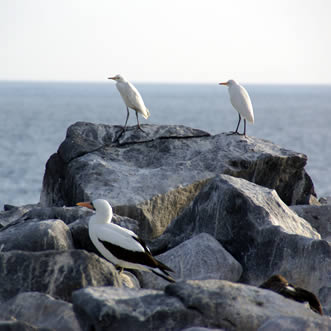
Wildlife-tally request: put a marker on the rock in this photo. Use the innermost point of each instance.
(259, 231)
(36, 236)
(201, 257)
(325, 200)
(40, 310)
(107, 308)
(287, 323)
(14, 325)
(236, 306)
(213, 304)
(53, 272)
(318, 216)
(13, 213)
(197, 328)
(153, 176)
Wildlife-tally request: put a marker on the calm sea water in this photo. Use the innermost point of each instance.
(34, 118)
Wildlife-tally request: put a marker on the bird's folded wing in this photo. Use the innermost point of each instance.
(118, 236)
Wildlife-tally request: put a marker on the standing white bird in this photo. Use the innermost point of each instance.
(131, 98)
(241, 102)
(121, 246)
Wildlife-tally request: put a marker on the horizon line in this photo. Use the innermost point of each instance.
(156, 82)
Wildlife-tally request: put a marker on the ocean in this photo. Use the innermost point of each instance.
(34, 117)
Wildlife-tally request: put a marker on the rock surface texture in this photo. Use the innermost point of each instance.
(201, 257)
(209, 303)
(153, 176)
(264, 235)
(318, 216)
(213, 208)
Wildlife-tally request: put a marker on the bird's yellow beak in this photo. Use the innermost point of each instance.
(112, 78)
(85, 204)
(225, 83)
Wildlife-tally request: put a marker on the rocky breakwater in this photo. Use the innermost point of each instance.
(213, 208)
(153, 176)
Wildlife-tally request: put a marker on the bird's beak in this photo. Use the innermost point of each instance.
(111, 78)
(85, 204)
(225, 83)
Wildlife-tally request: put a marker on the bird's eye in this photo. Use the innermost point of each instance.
(92, 205)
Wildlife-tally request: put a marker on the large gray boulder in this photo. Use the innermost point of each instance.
(56, 273)
(153, 176)
(201, 257)
(318, 216)
(40, 310)
(236, 306)
(107, 308)
(259, 231)
(209, 303)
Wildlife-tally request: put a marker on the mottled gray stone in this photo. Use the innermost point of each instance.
(259, 231)
(35, 235)
(14, 325)
(107, 308)
(153, 176)
(40, 310)
(13, 213)
(318, 216)
(286, 323)
(56, 273)
(201, 257)
(235, 306)
(214, 304)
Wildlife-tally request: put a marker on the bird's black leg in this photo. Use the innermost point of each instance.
(138, 123)
(127, 117)
(238, 124)
(244, 127)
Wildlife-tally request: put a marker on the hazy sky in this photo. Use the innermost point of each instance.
(255, 41)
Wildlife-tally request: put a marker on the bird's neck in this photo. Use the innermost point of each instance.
(102, 218)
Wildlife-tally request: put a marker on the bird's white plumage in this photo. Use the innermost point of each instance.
(240, 100)
(131, 96)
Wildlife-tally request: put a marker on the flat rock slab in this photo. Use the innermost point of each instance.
(40, 310)
(201, 257)
(53, 272)
(264, 235)
(153, 176)
(213, 304)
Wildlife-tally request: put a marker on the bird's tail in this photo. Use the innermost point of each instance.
(163, 274)
(146, 113)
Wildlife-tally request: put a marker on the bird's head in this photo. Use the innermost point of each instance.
(102, 208)
(229, 83)
(118, 78)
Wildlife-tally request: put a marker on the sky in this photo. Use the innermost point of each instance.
(174, 41)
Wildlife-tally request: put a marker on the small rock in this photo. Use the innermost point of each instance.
(40, 310)
(201, 257)
(35, 235)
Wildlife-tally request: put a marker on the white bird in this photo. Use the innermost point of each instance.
(131, 98)
(121, 246)
(241, 102)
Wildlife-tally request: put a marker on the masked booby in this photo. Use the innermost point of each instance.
(118, 245)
